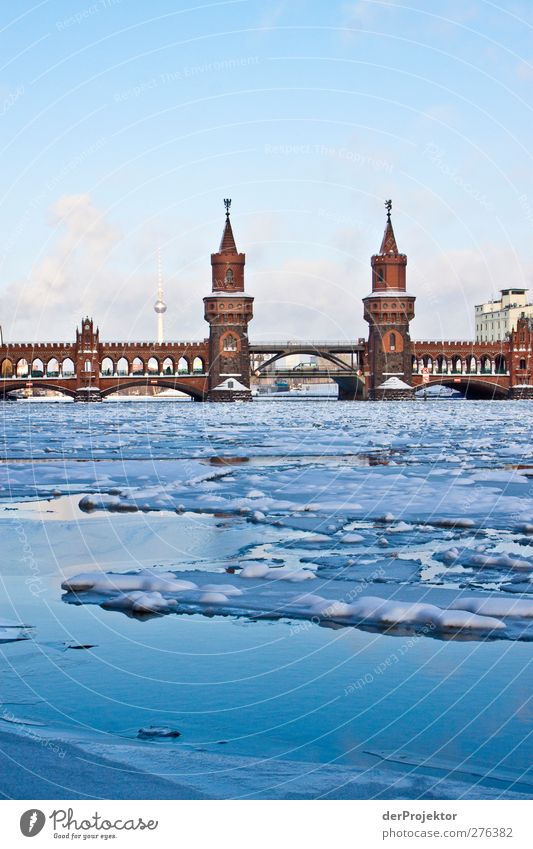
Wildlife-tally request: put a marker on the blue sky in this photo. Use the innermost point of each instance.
(124, 124)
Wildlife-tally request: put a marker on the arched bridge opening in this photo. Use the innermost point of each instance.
(326, 359)
(194, 392)
(472, 390)
(7, 390)
(337, 362)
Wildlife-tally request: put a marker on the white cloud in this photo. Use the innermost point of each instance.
(68, 279)
(450, 284)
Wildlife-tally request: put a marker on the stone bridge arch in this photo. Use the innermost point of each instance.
(197, 390)
(7, 387)
(469, 386)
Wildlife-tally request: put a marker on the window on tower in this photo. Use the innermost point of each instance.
(229, 279)
(230, 342)
(392, 341)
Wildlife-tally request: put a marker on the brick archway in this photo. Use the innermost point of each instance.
(472, 386)
(56, 386)
(196, 388)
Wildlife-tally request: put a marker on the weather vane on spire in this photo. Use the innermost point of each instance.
(388, 207)
(227, 204)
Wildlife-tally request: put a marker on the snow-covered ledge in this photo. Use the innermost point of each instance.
(393, 389)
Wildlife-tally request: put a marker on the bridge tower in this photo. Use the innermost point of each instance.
(388, 310)
(228, 309)
(87, 362)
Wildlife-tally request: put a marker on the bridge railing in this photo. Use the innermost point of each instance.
(466, 373)
(153, 374)
(459, 343)
(156, 345)
(304, 343)
(31, 377)
(70, 346)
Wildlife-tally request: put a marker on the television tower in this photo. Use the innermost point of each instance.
(160, 307)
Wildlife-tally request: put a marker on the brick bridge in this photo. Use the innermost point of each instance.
(387, 365)
(88, 369)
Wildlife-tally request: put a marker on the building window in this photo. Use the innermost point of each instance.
(392, 341)
(88, 365)
(522, 364)
(230, 342)
(229, 277)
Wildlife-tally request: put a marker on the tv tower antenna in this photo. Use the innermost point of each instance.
(160, 306)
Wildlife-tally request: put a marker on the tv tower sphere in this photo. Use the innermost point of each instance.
(160, 307)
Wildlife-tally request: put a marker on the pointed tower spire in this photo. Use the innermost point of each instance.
(227, 244)
(389, 264)
(388, 244)
(228, 264)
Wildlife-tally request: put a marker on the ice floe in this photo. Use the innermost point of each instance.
(502, 607)
(11, 631)
(263, 595)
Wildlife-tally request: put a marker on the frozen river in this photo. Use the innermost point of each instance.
(323, 598)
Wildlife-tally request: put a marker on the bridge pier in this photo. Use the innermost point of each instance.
(521, 393)
(88, 394)
(386, 394)
(228, 396)
(351, 389)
